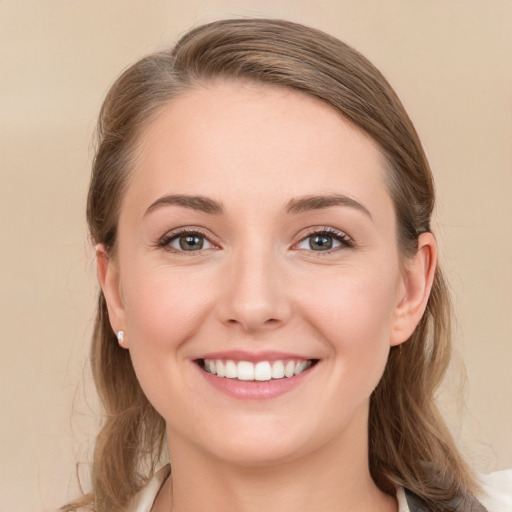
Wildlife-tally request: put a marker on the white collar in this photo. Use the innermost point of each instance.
(497, 495)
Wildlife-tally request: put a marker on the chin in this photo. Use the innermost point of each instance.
(258, 453)
(261, 442)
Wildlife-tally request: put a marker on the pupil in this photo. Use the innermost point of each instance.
(321, 242)
(191, 243)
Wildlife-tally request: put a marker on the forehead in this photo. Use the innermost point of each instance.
(231, 140)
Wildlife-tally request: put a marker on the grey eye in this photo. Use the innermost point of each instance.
(323, 241)
(320, 242)
(190, 242)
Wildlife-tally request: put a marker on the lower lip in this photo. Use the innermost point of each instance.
(256, 390)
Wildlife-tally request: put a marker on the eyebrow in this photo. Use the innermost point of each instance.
(294, 206)
(308, 203)
(199, 203)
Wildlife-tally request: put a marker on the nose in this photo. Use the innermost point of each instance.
(255, 296)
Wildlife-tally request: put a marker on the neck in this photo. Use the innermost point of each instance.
(334, 478)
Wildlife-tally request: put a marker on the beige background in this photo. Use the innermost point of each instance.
(450, 62)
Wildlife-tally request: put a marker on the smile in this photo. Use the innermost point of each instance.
(259, 371)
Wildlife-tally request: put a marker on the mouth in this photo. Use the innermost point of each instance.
(260, 371)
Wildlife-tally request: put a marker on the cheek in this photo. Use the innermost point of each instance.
(161, 305)
(354, 316)
(163, 313)
(355, 308)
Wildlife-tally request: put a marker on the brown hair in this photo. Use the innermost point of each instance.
(409, 443)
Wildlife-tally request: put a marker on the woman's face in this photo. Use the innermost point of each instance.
(257, 238)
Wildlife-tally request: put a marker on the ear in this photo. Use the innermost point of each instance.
(417, 279)
(108, 276)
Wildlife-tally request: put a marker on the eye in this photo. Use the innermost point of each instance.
(186, 241)
(324, 240)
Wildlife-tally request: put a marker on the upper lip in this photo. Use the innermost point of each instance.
(253, 357)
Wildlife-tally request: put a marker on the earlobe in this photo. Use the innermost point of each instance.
(108, 276)
(418, 277)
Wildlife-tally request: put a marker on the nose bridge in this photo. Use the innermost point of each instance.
(255, 298)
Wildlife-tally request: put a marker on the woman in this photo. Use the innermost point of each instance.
(272, 310)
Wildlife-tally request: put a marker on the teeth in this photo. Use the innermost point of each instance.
(278, 370)
(221, 369)
(231, 371)
(289, 369)
(245, 370)
(261, 371)
(300, 367)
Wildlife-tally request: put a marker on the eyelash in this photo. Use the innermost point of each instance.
(344, 240)
(166, 240)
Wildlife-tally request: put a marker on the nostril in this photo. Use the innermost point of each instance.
(270, 321)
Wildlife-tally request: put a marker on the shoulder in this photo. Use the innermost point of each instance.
(144, 499)
(495, 496)
(496, 493)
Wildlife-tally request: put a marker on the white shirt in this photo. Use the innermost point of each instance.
(497, 495)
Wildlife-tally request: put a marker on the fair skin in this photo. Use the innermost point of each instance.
(256, 270)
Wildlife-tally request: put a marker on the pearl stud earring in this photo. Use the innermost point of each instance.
(120, 337)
